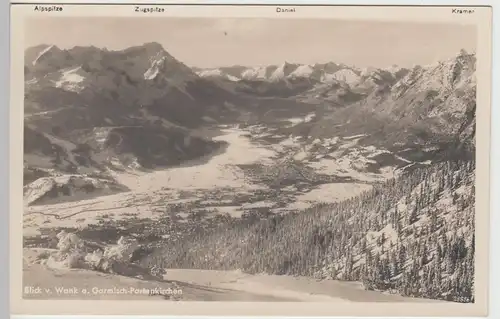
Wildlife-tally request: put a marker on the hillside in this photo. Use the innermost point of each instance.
(90, 110)
(100, 148)
(413, 235)
(100, 87)
(430, 110)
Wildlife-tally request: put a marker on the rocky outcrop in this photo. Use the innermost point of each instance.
(74, 253)
(54, 189)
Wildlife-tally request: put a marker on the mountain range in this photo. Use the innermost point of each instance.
(322, 170)
(90, 110)
(320, 72)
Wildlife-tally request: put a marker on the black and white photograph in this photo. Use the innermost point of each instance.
(249, 159)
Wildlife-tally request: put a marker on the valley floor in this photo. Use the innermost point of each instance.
(209, 183)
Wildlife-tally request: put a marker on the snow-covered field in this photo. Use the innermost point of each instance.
(152, 189)
(219, 171)
(206, 185)
(331, 193)
(194, 285)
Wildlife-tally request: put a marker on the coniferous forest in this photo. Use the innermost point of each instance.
(412, 235)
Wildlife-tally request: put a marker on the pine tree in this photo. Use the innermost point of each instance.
(413, 216)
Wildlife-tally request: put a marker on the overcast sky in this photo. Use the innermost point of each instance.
(206, 42)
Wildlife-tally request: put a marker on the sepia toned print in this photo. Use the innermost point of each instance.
(201, 159)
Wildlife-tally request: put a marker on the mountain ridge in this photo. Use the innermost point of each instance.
(144, 89)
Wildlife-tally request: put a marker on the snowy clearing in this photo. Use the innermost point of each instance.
(331, 193)
(197, 285)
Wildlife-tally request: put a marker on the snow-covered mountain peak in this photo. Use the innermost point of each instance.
(142, 62)
(344, 75)
(42, 53)
(304, 70)
(45, 51)
(462, 53)
(442, 75)
(367, 71)
(216, 73)
(153, 52)
(283, 71)
(149, 48)
(393, 68)
(153, 46)
(328, 67)
(462, 57)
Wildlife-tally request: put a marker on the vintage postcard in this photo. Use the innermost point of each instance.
(250, 160)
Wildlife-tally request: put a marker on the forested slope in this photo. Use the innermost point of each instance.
(413, 235)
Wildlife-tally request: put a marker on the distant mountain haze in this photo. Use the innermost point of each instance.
(305, 41)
